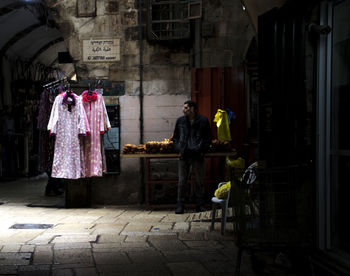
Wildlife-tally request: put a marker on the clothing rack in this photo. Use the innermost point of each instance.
(54, 82)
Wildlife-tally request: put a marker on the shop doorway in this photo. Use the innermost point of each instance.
(32, 54)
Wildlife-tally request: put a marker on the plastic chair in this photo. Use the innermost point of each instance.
(224, 206)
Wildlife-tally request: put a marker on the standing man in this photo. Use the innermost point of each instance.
(192, 139)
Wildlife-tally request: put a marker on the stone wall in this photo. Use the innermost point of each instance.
(226, 33)
(166, 71)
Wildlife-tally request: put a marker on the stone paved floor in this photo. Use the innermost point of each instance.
(113, 240)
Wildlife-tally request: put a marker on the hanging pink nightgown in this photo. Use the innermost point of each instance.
(67, 125)
(93, 143)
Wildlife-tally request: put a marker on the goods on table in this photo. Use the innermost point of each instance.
(220, 146)
(132, 149)
(166, 146)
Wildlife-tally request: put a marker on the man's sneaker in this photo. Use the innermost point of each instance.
(200, 208)
(179, 209)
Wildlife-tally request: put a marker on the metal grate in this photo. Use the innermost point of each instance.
(168, 20)
(31, 226)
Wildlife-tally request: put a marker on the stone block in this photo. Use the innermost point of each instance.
(135, 269)
(131, 47)
(85, 271)
(75, 239)
(166, 101)
(169, 245)
(130, 126)
(160, 58)
(14, 258)
(108, 229)
(131, 60)
(136, 238)
(137, 228)
(100, 72)
(168, 111)
(159, 125)
(62, 272)
(129, 18)
(157, 135)
(110, 238)
(69, 227)
(181, 73)
(27, 248)
(73, 256)
(115, 27)
(8, 270)
(112, 7)
(132, 33)
(147, 257)
(11, 248)
(66, 28)
(193, 255)
(208, 29)
(200, 226)
(120, 246)
(34, 270)
(130, 106)
(115, 258)
(161, 227)
(168, 236)
(221, 267)
(180, 58)
(43, 257)
(183, 268)
(72, 245)
(181, 227)
(204, 245)
(86, 8)
(41, 240)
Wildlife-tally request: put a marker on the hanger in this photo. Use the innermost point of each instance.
(54, 83)
(69, 91)
(89, 91)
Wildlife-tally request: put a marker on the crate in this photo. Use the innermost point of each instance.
(265, 215)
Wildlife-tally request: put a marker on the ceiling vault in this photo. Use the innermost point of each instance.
(19, 36)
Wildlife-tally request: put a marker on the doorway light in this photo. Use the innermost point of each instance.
(74, 77)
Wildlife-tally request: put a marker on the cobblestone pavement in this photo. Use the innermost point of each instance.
(113, 240)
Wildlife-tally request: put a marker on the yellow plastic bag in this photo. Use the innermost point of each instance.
(238, 164)
(221, 121)
(222, 192)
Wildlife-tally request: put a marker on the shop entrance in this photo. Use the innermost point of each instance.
(33, 53)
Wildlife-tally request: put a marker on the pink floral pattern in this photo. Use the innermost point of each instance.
(93, 144)
(67, 126)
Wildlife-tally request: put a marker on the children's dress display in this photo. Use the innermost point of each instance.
(67, 121)
(93, 143)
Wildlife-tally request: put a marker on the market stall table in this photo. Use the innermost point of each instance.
(149, 181)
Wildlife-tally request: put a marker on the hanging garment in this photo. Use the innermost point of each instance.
(94, 159)
(230, 115)
(67, 125)
(46, 141)
(221, 121)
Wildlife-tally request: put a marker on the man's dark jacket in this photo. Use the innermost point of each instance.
(192, 140)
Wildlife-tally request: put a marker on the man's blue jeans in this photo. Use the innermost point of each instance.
(186, 166)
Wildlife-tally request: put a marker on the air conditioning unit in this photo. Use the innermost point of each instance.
(194, 9)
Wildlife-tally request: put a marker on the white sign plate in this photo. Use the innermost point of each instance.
(101, 50)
